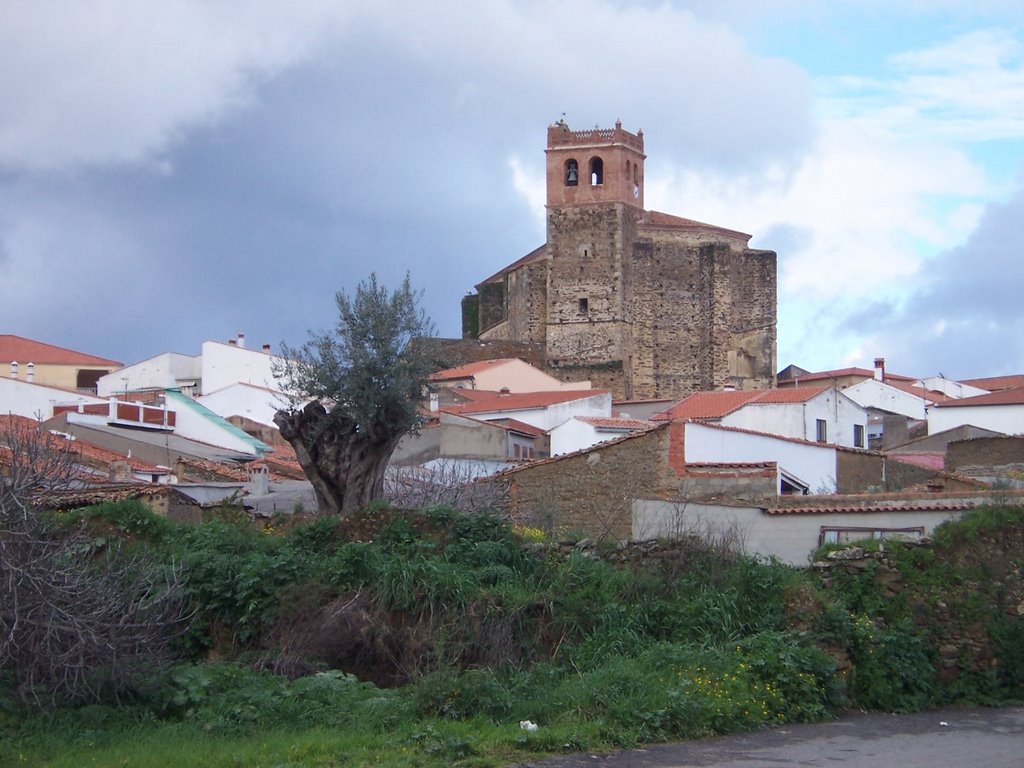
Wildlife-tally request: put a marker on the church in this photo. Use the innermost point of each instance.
(646, 304)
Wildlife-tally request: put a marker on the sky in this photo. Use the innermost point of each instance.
(188, 170)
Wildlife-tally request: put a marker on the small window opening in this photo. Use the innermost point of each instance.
(596, 171)
(858, 435)
(572, 173)
(584, 306)
(822, 430)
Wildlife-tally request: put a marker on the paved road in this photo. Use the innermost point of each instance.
(975, 738)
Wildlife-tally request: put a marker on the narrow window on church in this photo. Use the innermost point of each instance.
(584, 306)
(572, 173)
(596, 171)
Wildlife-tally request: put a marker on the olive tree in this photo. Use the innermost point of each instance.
(362, 385)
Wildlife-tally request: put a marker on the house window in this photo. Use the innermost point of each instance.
(822, 431)
(584, 305)
(858, 435)
(572, 173)
(596, 171)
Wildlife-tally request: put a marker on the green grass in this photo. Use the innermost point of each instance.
(488, 632)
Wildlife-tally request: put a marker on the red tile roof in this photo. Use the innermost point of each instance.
(993, 383)
(887, 502)
(535, 255)
(469, 369)
(1001, 397)
(866, 373)
(668, 221)
(519, 401)
(716, 405)
(935, 461)
(616, 423)
(514, 425)
(22, 350)
(931, 395)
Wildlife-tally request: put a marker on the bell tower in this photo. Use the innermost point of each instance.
(595, 197)
(603, 165)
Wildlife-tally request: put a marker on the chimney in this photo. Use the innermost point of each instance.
(879, 369)
(14, 369)
(729, 386)
(504, 391)
(231, 343)
(241, 340)
(30, 372)
(266, 348)
(434, 402)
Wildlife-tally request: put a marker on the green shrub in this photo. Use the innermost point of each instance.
(892, 668)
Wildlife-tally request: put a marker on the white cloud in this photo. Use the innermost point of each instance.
(117, 81)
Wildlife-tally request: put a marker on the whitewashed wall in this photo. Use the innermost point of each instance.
(875, 394)
(791, 538)
(1008, 419)
(36, 401)
(799, 420)
(549, 417)
(813, 464)
(164, 371)
(226, 364)
(256, 403)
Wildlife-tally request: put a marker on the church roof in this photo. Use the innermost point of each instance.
(535, 255)
(660, 220)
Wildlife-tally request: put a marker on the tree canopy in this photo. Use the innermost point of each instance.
(362, 383)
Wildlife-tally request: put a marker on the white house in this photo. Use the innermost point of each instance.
(951, 388)
(880, 396)
(791, 529)
(581, 432)
(802, 466)
(819, 413)
(37, 401)
(218, 366)
(248, 400)
(508, 373)
(544, 410)
(169, 370)
(1001, 411)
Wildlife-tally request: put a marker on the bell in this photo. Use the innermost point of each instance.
(572, 177)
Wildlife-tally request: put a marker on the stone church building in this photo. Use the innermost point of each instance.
(646, 304)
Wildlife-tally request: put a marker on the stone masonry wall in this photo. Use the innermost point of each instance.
(985, 452)
(593, 492)
(859, 472)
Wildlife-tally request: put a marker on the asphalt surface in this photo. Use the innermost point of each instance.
(969, 738)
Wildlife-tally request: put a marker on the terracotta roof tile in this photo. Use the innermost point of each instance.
(1013, 396)
(993, 383)
(867, 373)
(19, 349)
(716, 405)
(887, 502)
(520, 401)
(469, 369)
(535, 255)
(616, 423)
(668, 221)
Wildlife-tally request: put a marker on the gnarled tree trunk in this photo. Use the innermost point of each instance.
(345, 466)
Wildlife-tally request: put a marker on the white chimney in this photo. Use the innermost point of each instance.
(30, 372)
(14, 369)
(231, 342)
(241, 340)
(729, 386)
(266, 348)
(879, 369)
(434, 402)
